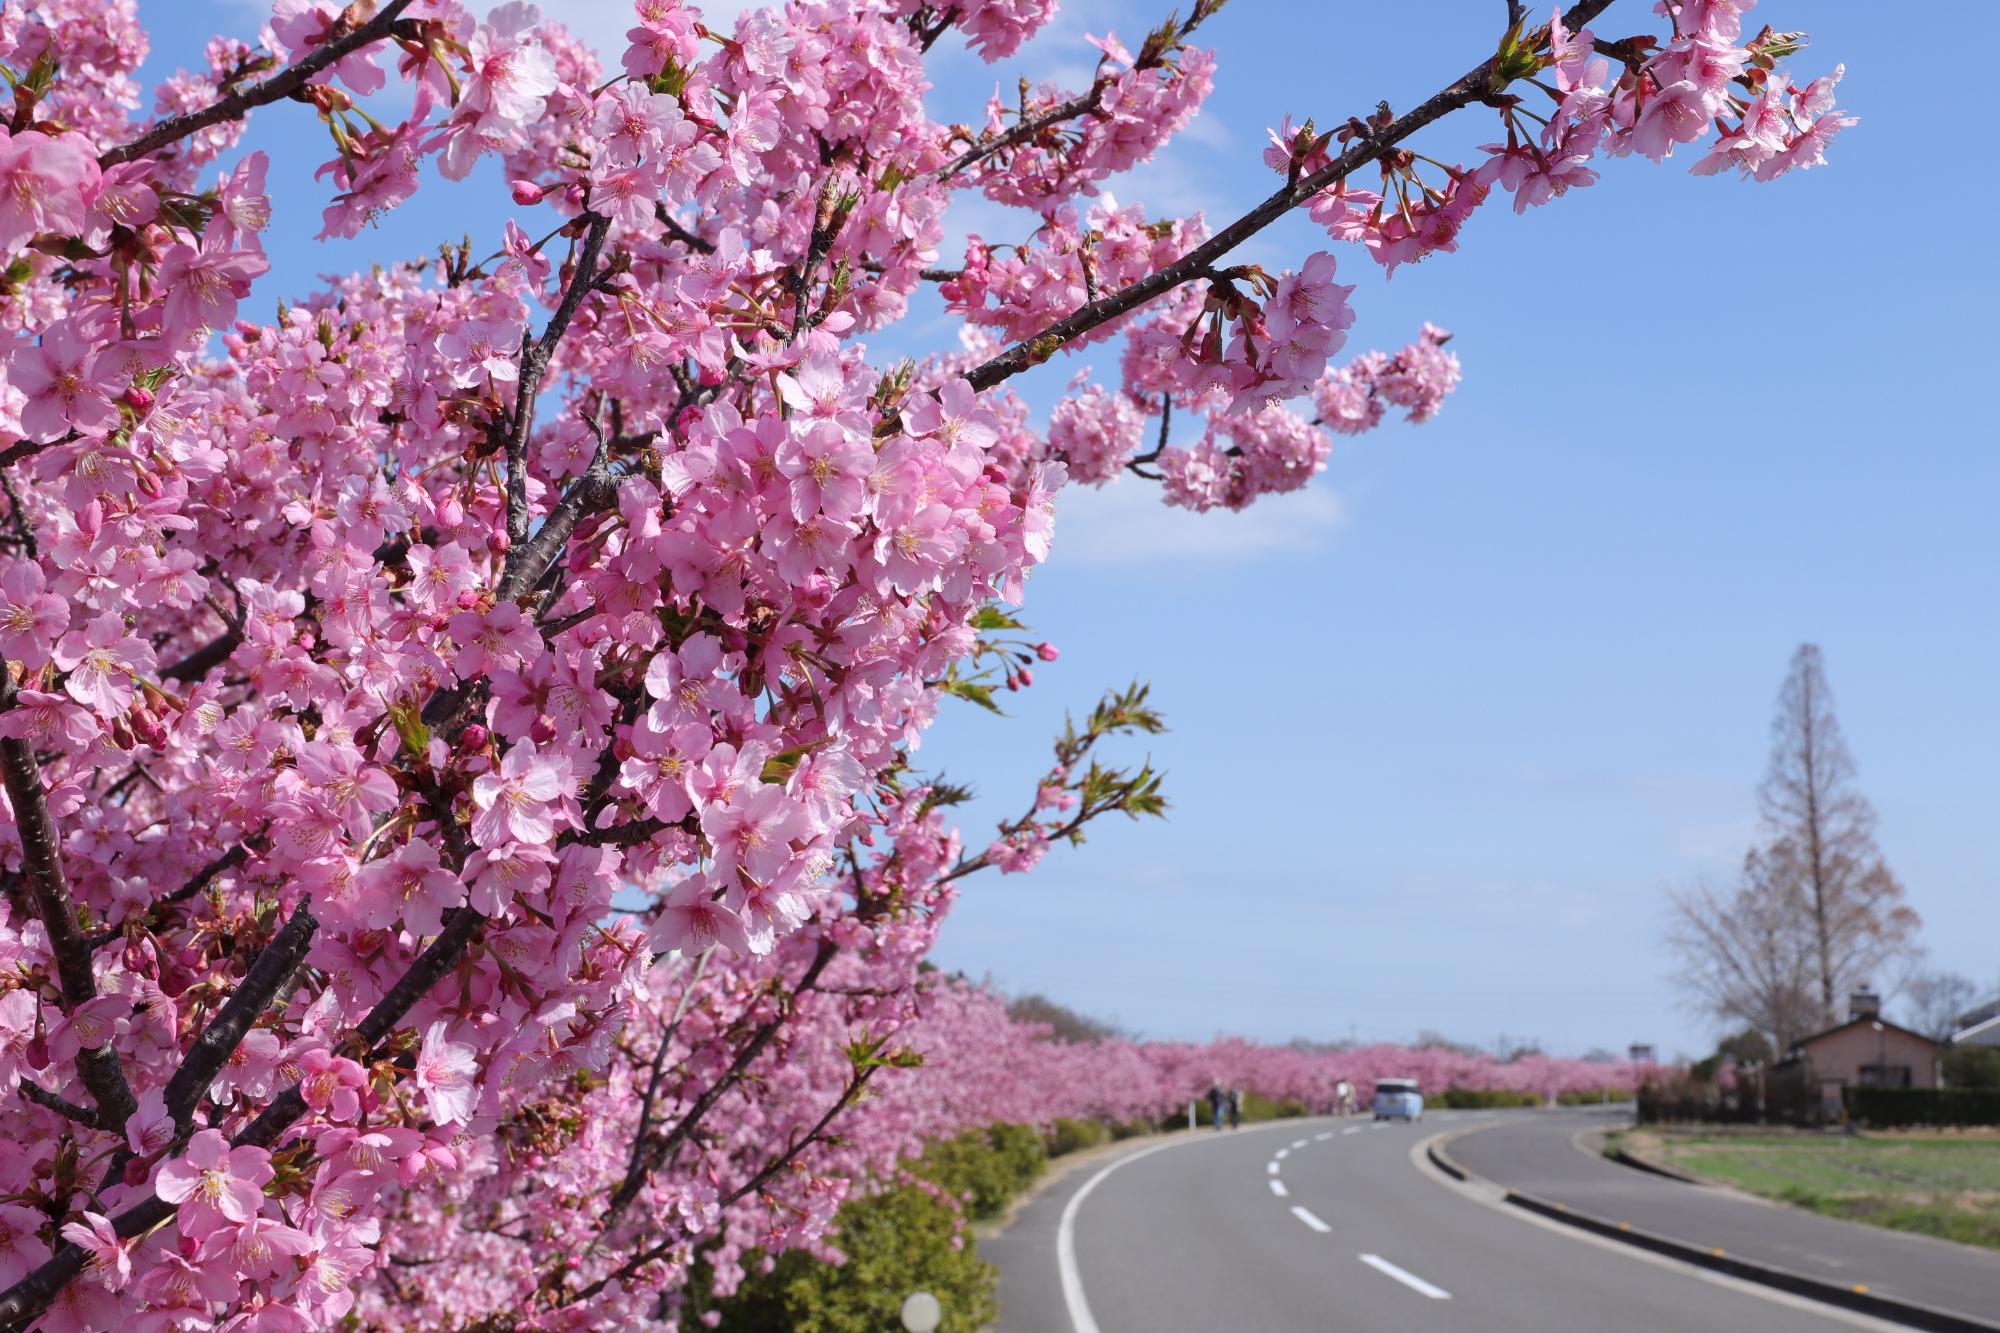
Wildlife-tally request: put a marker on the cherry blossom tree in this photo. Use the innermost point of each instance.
(466, 858)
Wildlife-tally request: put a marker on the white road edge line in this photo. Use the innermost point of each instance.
(1278, 1188)
(1080, 1318)
(1410, 1280)
(1305, 1215)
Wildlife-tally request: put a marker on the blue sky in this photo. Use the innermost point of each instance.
(1448, 724)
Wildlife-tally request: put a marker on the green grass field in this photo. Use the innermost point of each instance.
(1946, 1186)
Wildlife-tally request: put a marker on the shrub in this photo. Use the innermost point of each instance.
(985, 1167)
(1972, 1067)
(896, 1242)
(1485, 1099)
(1067, 1136)
(1893, 1108)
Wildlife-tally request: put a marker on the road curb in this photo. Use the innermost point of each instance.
(1623, 1158)
(1857, 1298)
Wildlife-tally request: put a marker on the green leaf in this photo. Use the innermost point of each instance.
(408, 722)
(992, 617)
(977, 693)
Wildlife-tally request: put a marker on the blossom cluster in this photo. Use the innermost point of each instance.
(459, 736)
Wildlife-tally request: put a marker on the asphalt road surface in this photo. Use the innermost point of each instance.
(1536, 1156)
(1334, 1225)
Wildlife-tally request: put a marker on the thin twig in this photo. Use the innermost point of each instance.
(238, 103)
(1476, 85)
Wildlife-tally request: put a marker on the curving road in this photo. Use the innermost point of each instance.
(1335, 1224)
(1535, 1154)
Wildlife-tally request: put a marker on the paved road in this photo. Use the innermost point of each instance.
(1331, 1225)
(1536, 1156)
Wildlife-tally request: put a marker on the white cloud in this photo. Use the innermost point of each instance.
(1125, 523)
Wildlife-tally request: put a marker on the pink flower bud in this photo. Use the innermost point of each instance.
(450, 512)
(139, 399)
(1026, 677)
(527, 192)
(473, 738)
(543, 730)
(497, 543)
(468, 598)
(1048, 652)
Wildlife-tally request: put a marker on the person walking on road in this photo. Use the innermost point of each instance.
(1217, 1099)
(1236, 1108)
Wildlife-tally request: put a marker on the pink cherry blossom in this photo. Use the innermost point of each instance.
(30, 618)
(103, 660)
(110, 1259)
(47, 184)
(213, 1183)
(513, 802)
(64, 393)
(443, 1076)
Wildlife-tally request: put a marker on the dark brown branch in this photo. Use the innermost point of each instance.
(1476, 85)
(205, 658)
(197, 882)
(659, 1150)
(41, 857)
(62, 1106)
(1083, 104)
(535, 364)
(238, 103)
(855, 1084)
(219, 1040)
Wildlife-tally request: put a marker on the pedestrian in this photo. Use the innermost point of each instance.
(1236, 1108)
(1216, 1101)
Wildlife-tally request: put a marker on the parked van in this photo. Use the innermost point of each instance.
(1398, 1099)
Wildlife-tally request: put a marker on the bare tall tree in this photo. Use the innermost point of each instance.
(1816, 912)
(1747, 954)
(1822, 847)
(1938, 1001)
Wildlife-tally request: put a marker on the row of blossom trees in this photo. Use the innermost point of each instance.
(458, 735)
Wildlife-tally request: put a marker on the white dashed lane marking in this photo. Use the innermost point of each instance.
(1305, 1215)
(1408, 1279)
(1278, 1188)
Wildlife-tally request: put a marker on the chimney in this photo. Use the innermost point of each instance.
(1864, 1004)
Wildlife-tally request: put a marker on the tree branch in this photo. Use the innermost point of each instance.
(855, 1084)
(219, 1040)
(238, 103)
(62, 1106)
(41, 854)
(1476, 85)
(661, 1148)
(534, 365)
(1082, 104)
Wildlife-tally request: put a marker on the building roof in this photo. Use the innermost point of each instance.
(1803, 1042)
(1979, 1034)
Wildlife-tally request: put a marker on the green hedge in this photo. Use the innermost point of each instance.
(896, 1242)
(1972, 1067)
(1484, 1099)
(985, 1168)
(1067, 1136)
(1891, 1108)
